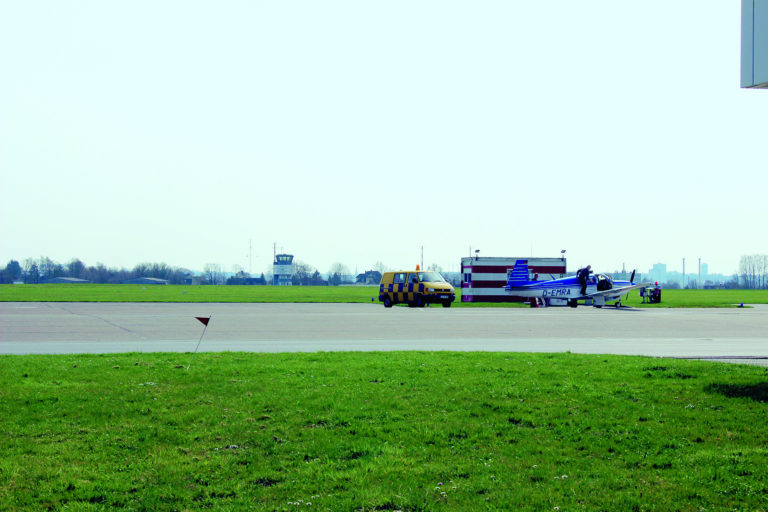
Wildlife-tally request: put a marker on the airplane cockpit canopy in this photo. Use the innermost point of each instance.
(604, 282)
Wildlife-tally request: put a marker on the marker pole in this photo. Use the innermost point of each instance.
(201, 339)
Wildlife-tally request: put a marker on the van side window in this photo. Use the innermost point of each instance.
(413, 279)
(399, 278)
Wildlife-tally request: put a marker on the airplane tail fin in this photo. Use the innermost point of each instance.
(519, 275)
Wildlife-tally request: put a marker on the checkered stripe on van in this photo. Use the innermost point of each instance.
(401, 292)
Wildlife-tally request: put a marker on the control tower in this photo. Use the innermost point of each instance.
(283, 270)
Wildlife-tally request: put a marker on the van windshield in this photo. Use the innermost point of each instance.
(431, 277)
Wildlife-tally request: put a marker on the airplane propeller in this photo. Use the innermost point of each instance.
(632, 277)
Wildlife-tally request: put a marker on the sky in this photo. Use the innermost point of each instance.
(358, 132)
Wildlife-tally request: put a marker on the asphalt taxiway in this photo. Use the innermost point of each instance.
(739, 334)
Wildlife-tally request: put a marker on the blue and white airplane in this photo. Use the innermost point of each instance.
(600, 288)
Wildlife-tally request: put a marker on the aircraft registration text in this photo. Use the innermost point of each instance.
(556, 292)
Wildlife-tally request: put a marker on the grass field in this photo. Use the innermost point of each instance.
(359, 294)
(701, 298)
(178, 293)
(381, 431)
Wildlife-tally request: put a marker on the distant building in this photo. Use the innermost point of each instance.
(64, 280)
(658, 272)
(369, 277)
(484, 278)
(146, 280)
(754, 43)
(283, 270)
(191, 279)
(241, 278)
(625, 275)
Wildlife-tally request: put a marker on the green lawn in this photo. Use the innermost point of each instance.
(381, 431)
(701, 298)
(359, 294)
(178, 293)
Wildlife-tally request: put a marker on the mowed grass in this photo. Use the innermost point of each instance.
(701, 298)
(179, 293)
(327, 294)
(407, 431)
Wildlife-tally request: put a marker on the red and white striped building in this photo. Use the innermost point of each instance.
(483, 278)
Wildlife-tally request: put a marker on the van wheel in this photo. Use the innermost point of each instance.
(419, 301)
(447, 304)
(387, 302)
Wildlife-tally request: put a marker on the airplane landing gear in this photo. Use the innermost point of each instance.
(573, 303)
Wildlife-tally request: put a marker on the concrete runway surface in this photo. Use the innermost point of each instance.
(739, 334)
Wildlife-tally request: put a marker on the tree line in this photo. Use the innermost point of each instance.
(753, 271)
(43, 269)
(305, 274)
(32, 271)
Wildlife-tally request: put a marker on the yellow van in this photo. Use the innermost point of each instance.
(416, 288)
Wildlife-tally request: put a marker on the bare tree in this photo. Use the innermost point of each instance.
(31, 272)
(753, 271)
(380, 267)
(744, 270)
(269, 275)
(76, 268)
(213, 273)
(339, 268)
(302, 273)
(12, 272)
(48, 268)
(336, 273)
(98, 274)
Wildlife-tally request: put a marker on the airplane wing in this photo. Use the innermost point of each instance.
(618, 291)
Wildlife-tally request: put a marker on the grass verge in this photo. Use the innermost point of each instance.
(326, 294)
(179, 293)
(381, 431)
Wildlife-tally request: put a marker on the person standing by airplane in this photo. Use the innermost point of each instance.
(583, 275)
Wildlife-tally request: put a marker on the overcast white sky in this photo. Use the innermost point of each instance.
(357, 132)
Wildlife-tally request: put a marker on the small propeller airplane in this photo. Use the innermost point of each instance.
(600, 288)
